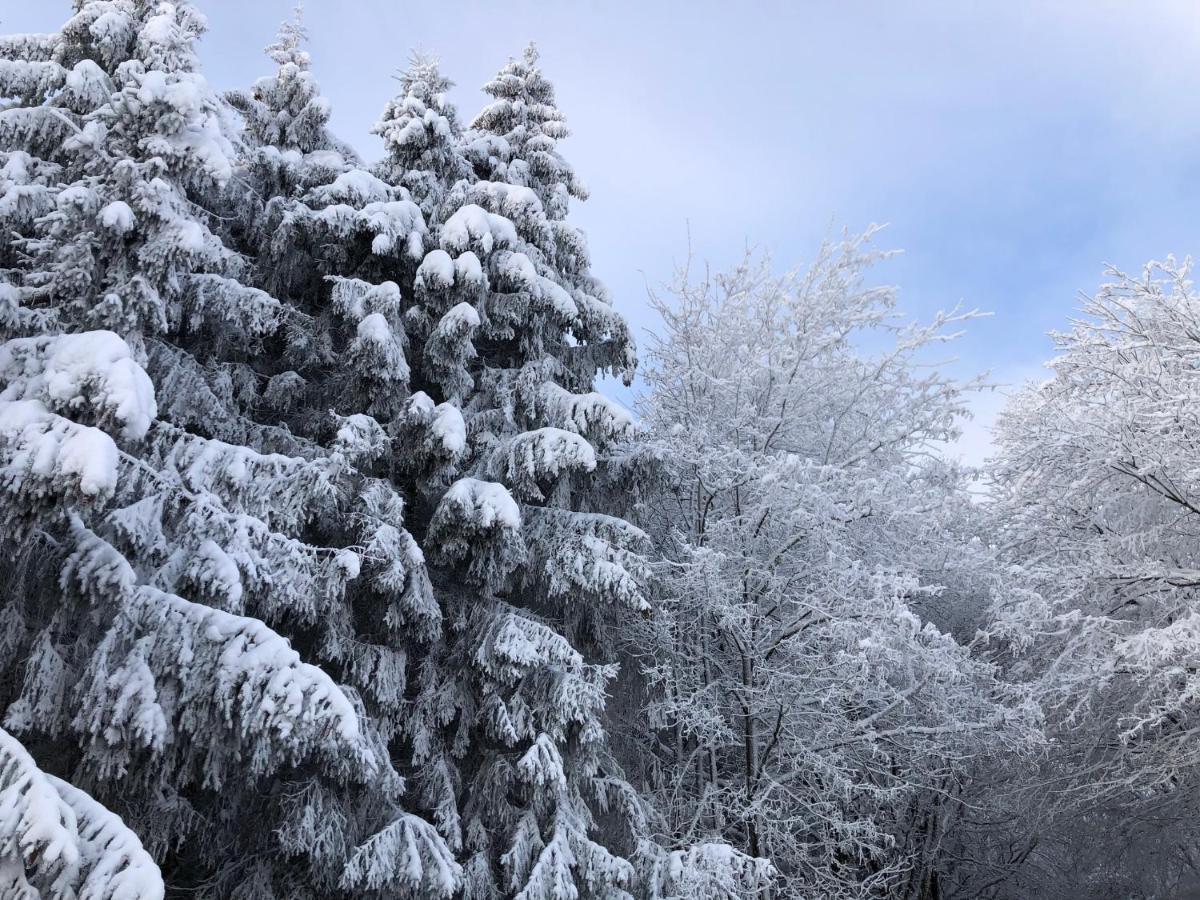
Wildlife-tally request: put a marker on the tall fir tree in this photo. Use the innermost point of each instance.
(145, 385)
(304, 489)
(421, 136)
(514, 140)
(516, 136)
(497, 446)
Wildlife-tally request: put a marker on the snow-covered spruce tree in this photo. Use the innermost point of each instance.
(240, 383)
(504, 445)
(516, 136)
(513, 141)
(800, 707)
(421, 136)
(160, 561)
(314, 216)
(486, 421)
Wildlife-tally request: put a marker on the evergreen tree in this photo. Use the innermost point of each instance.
(147, 672)
(498, 445)
(421, 136)
(306, 492)
(516, 136)
(514, 141)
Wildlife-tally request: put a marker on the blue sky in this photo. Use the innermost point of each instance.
(1013, 148)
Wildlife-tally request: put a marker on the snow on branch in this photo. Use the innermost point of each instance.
(537, 457)
(588, 557)
(92, 372)
(592, 415)
(408, 855)
(239, 680)
(57, 841)
(47, 455)
(479, 522)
